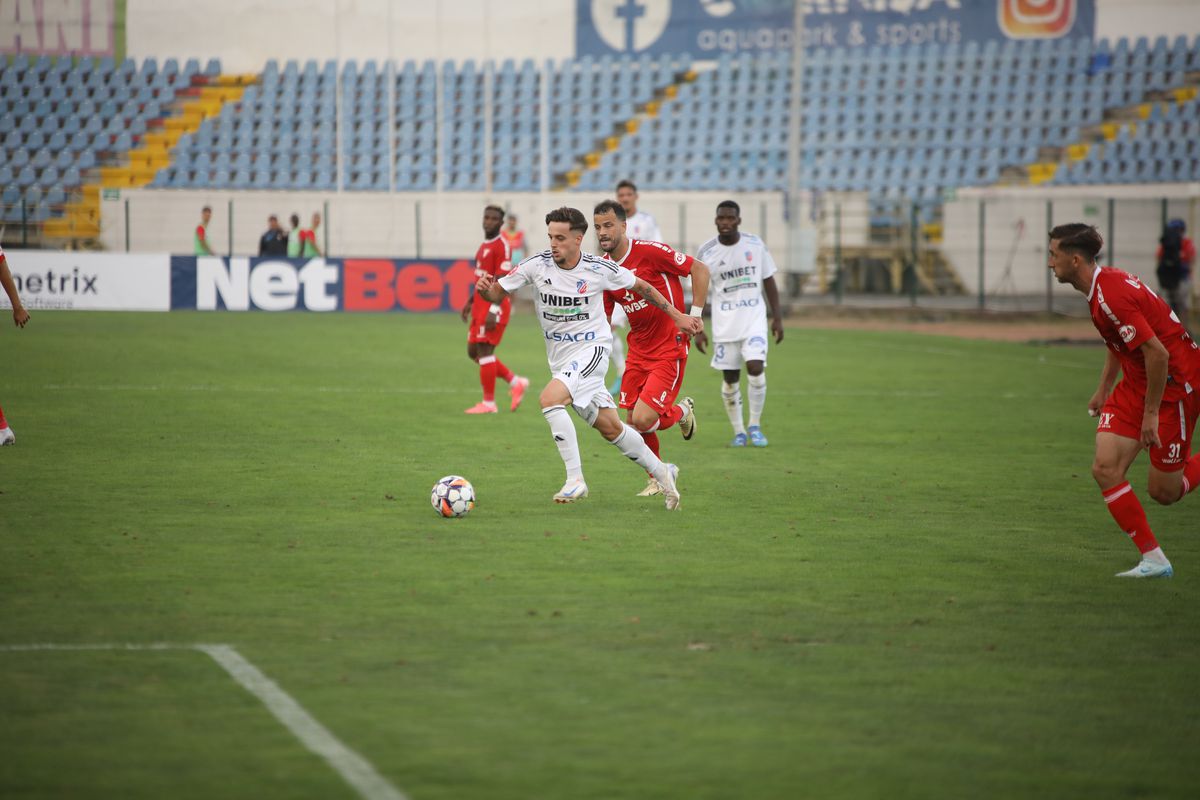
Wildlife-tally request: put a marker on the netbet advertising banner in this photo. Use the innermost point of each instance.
(212, 283)
(89, 281)
(707, 28)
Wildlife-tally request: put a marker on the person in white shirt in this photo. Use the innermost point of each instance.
(638, 225)
(568, 297)
(742, 283)
(20, 317)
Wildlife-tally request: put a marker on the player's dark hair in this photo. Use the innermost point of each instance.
(605, 206)
(572, 216)
(207, 208)
(295, 220)
(1078, 237)
(626, 184)
(730, 204)
(497, 209)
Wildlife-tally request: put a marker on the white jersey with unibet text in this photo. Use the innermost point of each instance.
(570, 302)
(642, 226)
(735, 289)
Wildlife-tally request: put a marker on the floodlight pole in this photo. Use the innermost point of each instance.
(795, 134)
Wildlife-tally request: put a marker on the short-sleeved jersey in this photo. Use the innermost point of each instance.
(492, 258)
(652, 333)
(569, 302)
(1127, 314)
(736, 286)
(199, 240)
(642, 226)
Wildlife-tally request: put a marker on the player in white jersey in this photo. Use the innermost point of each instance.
(569, 286)
(742, 275)
(20, 317)
(638, 225)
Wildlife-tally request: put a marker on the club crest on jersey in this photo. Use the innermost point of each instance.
(581, 286)
(1127, 333)
(749, 256)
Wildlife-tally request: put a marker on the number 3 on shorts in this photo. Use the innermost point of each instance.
(721, 352)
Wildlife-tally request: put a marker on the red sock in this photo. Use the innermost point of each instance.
(670, 417)
(1191, 470)
(502, 372)
(3, 421)
(1127, 510)
(651, 440)
(487, 378)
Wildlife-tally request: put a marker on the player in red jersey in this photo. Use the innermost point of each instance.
(20, 317)
(1155, 405)
(658, 351)
(488, 320)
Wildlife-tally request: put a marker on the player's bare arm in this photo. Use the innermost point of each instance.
(689, 325)
(20, 315)
(489, 289)
(1108, 377)
(1156, 358)
(772, 292)
(701, 275)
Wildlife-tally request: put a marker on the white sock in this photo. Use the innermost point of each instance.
(731, 394)
(1156, 555)
(758, 397)
(617, 356)
(631, 443)
(565, 437)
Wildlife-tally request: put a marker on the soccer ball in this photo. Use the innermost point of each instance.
(452, 496)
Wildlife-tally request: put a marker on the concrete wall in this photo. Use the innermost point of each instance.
(379, 224)
(1016, 264)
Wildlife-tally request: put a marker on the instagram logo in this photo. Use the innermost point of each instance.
(1036, 19)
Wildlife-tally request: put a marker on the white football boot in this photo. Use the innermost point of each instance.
(667, 482)
(1148, 569)
(687, 423)
(571, 491)
(652, 488)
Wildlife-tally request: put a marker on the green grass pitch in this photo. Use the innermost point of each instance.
(909, 594)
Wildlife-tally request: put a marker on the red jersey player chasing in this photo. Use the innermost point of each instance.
(658, 351)
(1155, 405)
(488, 320)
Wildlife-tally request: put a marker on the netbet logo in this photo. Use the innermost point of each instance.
(269, 286)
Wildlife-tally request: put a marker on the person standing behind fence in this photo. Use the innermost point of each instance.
(293, 238)
(274, 242)
(515, 238)
(308, 239)
(200, 237)
(1175, 256)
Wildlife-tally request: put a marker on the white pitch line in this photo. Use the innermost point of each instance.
(353, 768)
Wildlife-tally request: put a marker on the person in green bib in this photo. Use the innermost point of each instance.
(200, 236)
(308, 239)
(293, 244)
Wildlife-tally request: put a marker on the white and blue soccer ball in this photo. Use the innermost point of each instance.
(453, 496)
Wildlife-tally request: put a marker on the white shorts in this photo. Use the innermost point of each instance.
(732, 355)
(584, 378)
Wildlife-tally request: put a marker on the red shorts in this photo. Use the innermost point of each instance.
(478, 331)
(656, 382)
(1122, 415)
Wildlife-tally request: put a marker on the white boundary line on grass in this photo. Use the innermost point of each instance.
(353, 768)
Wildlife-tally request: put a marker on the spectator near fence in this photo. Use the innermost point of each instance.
(1175, 256)
(200, 237)
(274, 242)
